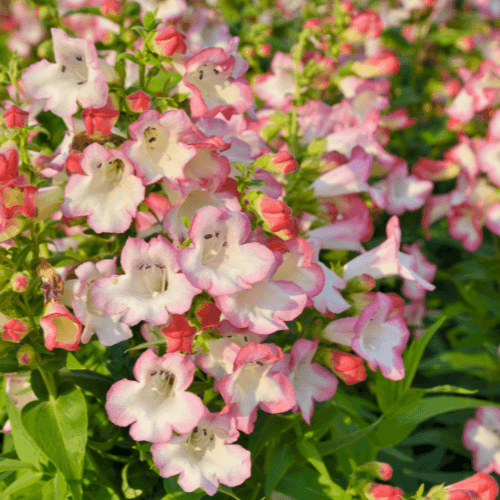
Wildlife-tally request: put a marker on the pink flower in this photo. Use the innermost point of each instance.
(170, 41)
(158, 146)
(253, 383)
(348, 367)
(108, 192)
(76, 76)
(481, 436)
(219, 261)
(152, 287)
(17, 197)
(15, 117)
(111, 8)
(138, 101)
(276, 214)
(205, 457)
(179, 333)
(102, 119)
(156, 402)
(208, 75)
(310, 381)
(265, 308)
(78, 293)
(424, 268)
(14, 330)
(60, 328)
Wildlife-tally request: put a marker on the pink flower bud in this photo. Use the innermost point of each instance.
(14, 330)
(348, 367)
(179, 334)
(264, 50)
(384, 63)
(312, 23)
(284, 162)
(466, 43)
(111, 8)
(170, 42)
(15, 117)
(380, 470)
(375, 491)
(102, 119)
(347, 6)
(276, 214)
(19, 282)
(9, 165)
(60, 328)
(479, 486)
(367, 23)
(25, 355)
(138, 101)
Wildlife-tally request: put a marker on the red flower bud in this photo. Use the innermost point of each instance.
(14, 330)
(111, 8)
(15, 117)
(19, 282)
(9, 165)
(284, 162)
(367, 23)
(209, 315)
(102, 119)
(348, 367)
(170, 42)
(138, 101)
(179, 334)
(383, 492)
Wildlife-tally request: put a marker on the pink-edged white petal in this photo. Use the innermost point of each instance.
(156, 402)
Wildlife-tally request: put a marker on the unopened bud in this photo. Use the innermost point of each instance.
(45, 50)
(132, 9)
(380, 470)
(19, 282)
(348, 367)
(26, 355)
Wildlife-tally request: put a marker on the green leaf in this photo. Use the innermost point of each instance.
(405, 421)
(146, 345)
(301, 483)
(27, 480)
(26, 449)
(281, 461)
(59, 428)
(149, 19)
(451, 389)
(335, 445)
(84, 10)
(125, 55)
(7, 464)
(311, 454)
(90, 381)
(72, 363)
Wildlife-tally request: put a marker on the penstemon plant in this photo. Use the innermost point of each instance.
(187, 238)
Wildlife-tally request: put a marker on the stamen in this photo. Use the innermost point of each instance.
(201, 75)
(63, 69)
(208, 236)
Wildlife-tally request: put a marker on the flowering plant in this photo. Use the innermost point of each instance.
(228, 263)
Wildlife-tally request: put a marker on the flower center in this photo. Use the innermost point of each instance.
(199, 441)
(153, 278)
(214, 246)
(162, 382)
(157, 142)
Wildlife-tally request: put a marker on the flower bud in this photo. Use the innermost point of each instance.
(348, 367)
(111, 8)
(25, 355)
(129, 36)
(363, 283)
(264, 50)
(384, 63)
(19, 282)
(138, 101)
(109, 38)
(179, 334)
(375, 491)
(170, 42)
(380, 470)
(479, 486)
(9, 164)
(102, 119)
(15, 117)
(283, 162)
(45, 50)
(208, 314)
(14, 330)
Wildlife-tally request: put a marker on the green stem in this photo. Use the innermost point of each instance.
(50, 383)
(142, 75)
(36, 250)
